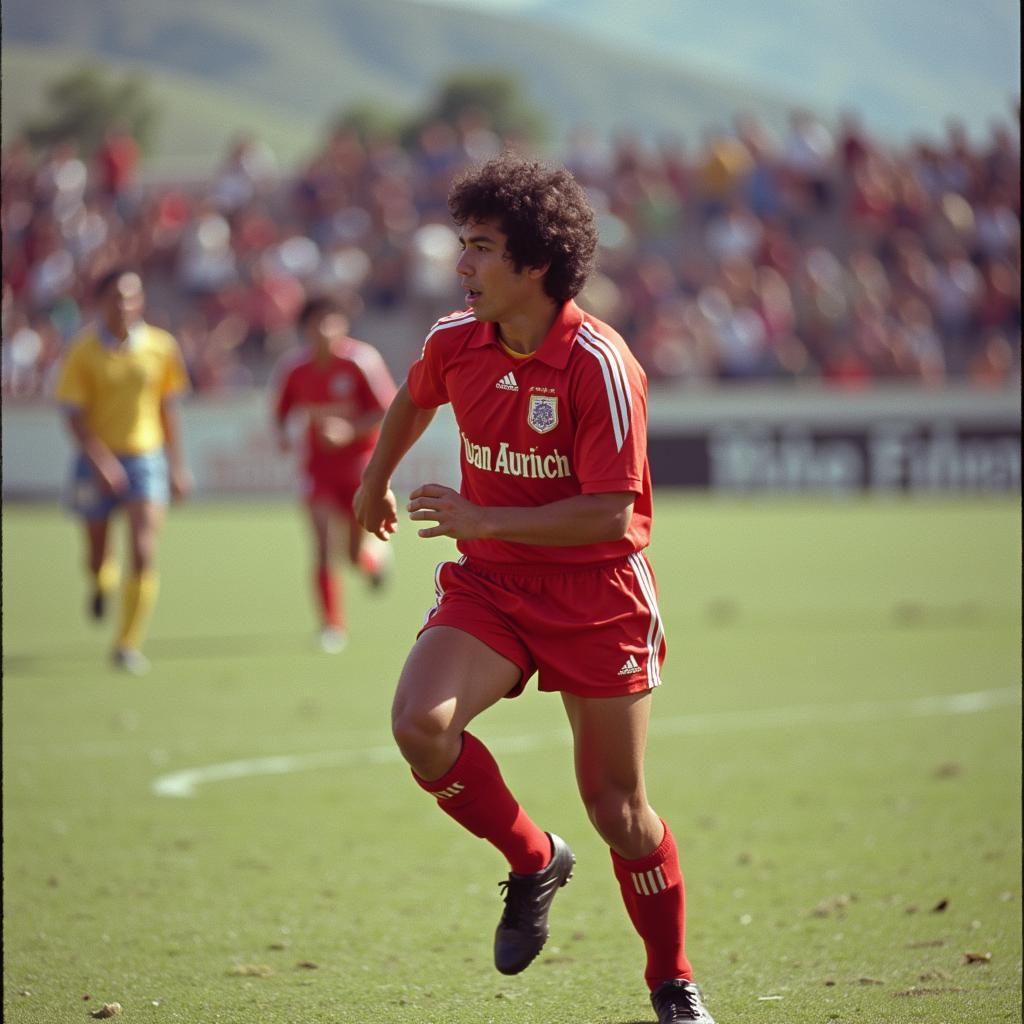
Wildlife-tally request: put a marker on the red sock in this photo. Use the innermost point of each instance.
(370, 561)
(327, 591)
(473, 792)
(652, 889)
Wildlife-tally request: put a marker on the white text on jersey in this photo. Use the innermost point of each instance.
(511, 463)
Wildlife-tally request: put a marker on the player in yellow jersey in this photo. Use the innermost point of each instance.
(119, 385)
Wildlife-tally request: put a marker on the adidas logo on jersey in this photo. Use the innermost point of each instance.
(508, 382)
(631, 667)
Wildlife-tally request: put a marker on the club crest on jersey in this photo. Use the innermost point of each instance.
(543, 413)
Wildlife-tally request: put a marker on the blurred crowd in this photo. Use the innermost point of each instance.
(813, 252)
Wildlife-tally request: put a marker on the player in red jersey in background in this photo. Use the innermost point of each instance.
(342, 387)
(551, 519)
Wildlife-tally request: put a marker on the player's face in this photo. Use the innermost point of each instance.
(494, 289)
(322, 330)
(123, 303)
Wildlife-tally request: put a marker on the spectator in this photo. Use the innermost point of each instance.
(117, 163)
(845, 222)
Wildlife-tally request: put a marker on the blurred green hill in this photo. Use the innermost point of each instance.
(284, 71)
(195, 123)
(906, 67)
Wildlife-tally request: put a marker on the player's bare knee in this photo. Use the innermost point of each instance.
(419, 733)
(615, 813)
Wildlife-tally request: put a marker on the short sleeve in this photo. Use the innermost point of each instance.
(425, 380)
(175, 380)
(377, 384)
(610, 402)
(72, 387)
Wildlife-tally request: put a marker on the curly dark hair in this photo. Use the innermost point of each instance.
(319, 305)
(542, 210)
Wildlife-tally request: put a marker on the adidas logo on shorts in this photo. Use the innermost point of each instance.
(631, 667)
(508, 382)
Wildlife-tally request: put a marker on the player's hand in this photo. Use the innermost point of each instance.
(455, 515)
(181, 483)
(375, 512)
(112, 476)
(335, 431)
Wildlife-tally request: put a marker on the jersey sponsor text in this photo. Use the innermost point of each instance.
(527, 464)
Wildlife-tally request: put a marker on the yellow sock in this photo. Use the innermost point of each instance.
(108, 576)
(137, 600)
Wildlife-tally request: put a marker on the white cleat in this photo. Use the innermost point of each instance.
(130, 660)
(333, 640)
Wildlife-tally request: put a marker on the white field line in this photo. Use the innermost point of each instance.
(185, 782)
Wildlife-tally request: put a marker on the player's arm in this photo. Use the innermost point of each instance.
(375, 393)
(75, 391)
(104, 462)
(367, 423)
(339, 429)
(170, 420)
(280, 424)
(403, 424)
(582, 519)
(281, 412)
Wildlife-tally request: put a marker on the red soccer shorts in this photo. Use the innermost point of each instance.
(590, 630)
(333, 490)
(333, 479)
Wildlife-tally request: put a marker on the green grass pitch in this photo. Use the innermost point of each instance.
(849, 821)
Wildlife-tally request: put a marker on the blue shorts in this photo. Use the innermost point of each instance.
(147, 481)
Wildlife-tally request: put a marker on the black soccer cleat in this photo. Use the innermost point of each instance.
(379, 578)
(98, 605)
(523, 928)
(678, 1002)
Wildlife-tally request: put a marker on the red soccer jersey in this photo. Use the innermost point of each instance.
(570, 419)
(351, 382)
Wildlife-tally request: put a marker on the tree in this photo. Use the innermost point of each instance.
(86, 103)
(495, 94)
(370, 119)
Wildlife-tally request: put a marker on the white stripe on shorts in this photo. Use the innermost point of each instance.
(656, 629)
(438, 590)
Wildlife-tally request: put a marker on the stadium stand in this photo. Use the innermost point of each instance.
(816, 253)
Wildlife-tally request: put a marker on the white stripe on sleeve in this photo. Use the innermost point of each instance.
(455, 320)
(619, 426)
(616, 380)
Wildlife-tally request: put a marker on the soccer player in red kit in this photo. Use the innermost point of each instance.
(551, 520)
(342, 387)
